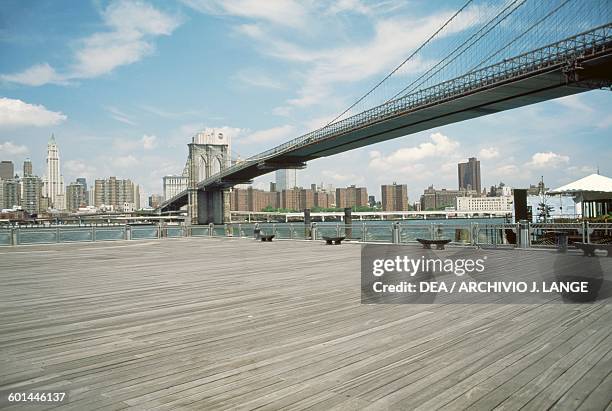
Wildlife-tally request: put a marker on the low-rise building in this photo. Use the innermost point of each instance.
(115, 193)
(174, 185)
(31, 194)
(485, 204)
(433, 199)
(76, 197)
(155, 200)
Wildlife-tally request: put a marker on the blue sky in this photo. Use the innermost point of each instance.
(124, 84)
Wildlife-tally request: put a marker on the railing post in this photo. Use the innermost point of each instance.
(128, 232)
(588, 233)
(57, 234)
(313, 231)
(14, 240)
(211, 229)
(524, 233)
(395, 237)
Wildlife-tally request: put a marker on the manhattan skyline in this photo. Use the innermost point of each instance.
(123, 95)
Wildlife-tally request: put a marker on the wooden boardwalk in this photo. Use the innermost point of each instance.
(202, 323)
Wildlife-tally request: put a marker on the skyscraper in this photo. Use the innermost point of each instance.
(27, 167)
(469, 175)
(53, 184)
(7, 170)
(286, 179)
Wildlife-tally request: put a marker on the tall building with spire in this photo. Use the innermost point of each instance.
(53, 184)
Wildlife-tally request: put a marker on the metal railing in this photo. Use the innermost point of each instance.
(481, 234)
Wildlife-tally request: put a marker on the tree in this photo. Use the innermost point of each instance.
(544, 210)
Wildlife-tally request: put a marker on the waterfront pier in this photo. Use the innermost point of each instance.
(222, 323)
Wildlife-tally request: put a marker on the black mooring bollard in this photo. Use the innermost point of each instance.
(307, 221)
(348, 222)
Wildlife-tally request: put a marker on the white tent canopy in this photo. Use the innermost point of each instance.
(592, 194)
(593, 187)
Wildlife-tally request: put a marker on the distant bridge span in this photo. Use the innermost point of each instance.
(574, 65)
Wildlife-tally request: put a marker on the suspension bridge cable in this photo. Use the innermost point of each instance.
(403, 63)
(414, 84)
(521, 35)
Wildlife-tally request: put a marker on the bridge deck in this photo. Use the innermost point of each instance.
(221, 323)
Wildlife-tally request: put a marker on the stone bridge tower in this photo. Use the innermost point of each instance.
(209, 153)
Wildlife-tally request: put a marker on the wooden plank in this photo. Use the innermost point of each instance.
(204, 323)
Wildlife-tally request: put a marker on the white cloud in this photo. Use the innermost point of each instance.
(339, 177)
(124, 162)
(326, 68)
(146, 142)
(349, 6)
(574, 102)
(547, 160)
(282, 12)
(17, 113)
(488, 153)
(581, 171)
(272, 25)
(37, 75)
(11, 149)
(171, 114)
(271, 134)
(317, 122)
(507, 170)
(257, 79)
(120, 116)
(439, 147)
(78, 168)
(282, 111)
(131, 27)
(149, 142)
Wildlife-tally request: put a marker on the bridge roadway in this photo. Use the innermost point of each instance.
(201, 323)
(571, 66)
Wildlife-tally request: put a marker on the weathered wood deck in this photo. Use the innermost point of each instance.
(238, 324)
